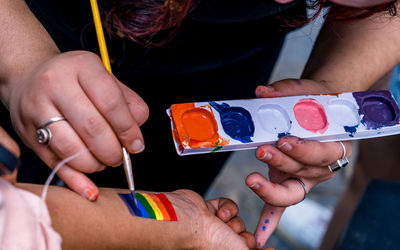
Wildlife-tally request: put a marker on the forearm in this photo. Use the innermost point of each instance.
(107, 222)
(352, 56)
(24, 44)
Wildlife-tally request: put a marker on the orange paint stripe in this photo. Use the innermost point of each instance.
(161, 207)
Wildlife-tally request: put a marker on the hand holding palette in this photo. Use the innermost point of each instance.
(204, 127)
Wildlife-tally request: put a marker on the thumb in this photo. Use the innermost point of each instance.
(291, 87)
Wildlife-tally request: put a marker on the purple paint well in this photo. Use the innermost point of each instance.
(378, 108)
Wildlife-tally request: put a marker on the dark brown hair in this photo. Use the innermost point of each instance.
(153, 22)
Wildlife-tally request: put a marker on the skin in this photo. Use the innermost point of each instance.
(31, 60)
(334, 66)
(201, 224)
(38, 82)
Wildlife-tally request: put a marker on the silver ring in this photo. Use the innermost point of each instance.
(43, 134)
(302, 185)
(341, 163)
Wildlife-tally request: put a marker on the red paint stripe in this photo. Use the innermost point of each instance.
(168, 206)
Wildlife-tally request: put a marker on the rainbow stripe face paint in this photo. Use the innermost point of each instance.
(206, 127)
(152, 206)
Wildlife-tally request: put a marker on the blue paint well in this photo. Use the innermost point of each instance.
(351, 130)
(280, 135)
(236, 121)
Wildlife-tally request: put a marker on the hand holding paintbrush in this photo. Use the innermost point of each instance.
(106, 61)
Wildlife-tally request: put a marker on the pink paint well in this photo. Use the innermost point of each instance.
(311, 115)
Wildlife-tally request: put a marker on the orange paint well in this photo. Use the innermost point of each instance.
(199, 124)
(195, 127)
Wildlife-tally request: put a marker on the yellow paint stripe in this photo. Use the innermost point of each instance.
(157, 211)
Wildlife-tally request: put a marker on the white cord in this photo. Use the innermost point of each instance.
(51, 176)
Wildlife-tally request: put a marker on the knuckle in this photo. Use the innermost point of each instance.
(112, 102)
(325, 160)
(52, 161)
(83, 56)
(110, 156)
(94, 126)
(64, 145)
(114, 159)
(128, 133)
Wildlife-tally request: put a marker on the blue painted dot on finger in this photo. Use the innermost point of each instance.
(272, 212)
(264, 228)
(266, 221)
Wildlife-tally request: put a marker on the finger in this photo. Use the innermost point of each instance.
(291, 87)
(79, 182)
(312, 152)
(237, 225)
(267, 223)
(225, 208)
(64, 141)
(249, 239)
(137, 106)
(74, 179)
(109, 100)
(282, 162)
(287, 193)
(277, 159)
(87, 127)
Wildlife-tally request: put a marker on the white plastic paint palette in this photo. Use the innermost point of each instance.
(246, 124)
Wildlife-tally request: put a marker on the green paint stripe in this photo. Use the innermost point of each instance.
(146, 205)
(216, 149)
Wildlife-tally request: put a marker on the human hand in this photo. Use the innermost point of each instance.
(291, 157)
(212, 224)
(10, 145)
(101, 114)
(294, 156)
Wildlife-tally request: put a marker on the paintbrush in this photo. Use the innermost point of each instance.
(106, 62)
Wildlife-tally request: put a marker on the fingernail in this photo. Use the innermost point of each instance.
(262, 90)
(101, 168)
(227, 213)
(255, 186)
(90, 194)
(263, 155)
(285, 146)
(137, 146)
